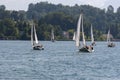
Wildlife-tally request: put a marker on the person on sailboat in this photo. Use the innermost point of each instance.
(91, 47)
(112, 43)
(41, 45)
(87, 47)
(38, 46)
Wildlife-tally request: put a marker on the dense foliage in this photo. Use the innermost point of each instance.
(47, 16)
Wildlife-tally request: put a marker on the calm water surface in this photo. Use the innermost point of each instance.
(59, 61)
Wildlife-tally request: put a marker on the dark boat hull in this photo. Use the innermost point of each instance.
(86, 49)
(83, 50)
(38, 48)
(111, 45)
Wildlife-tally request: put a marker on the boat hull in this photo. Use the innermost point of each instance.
(86, 49)
(111, 45)
(38, 48)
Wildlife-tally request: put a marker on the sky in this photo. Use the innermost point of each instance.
(23, 4)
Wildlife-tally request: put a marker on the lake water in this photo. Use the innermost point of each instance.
(59, 61)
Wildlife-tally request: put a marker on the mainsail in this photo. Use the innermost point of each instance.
(108, 36)
(52, 35)
(36, 39)
(83, 33)
(78, 31)
(92, 38)
(74, 36)
(32, 35)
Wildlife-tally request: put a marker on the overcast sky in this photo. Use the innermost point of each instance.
(23, 4)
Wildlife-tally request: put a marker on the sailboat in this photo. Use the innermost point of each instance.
(34, 40)
(92, 38)
(52, 36)
(110, 44)
(74, 36)
(84, 47)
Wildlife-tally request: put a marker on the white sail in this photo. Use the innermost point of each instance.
(52, 35)
(108, 36)
(32, 35)
(36, 39)
(92, 38)
(84, 47)
(74, 36)
(84, 43)
(78, 31)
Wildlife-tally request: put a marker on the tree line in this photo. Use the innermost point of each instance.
(47, 16)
